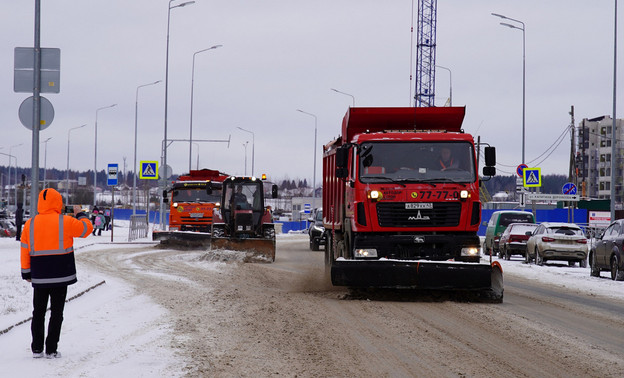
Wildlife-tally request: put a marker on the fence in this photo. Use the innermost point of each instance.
(138, 227)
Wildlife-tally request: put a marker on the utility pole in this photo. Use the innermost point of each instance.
(572, 171)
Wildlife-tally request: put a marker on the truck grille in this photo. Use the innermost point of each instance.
(394, 214)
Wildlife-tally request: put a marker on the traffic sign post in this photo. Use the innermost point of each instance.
(112, 180)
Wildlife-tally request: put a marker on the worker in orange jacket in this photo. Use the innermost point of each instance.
(47, 256)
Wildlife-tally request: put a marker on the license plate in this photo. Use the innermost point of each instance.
(418, 205)
(196, 215)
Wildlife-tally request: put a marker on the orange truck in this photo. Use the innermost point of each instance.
(401, 204)
(192, 199)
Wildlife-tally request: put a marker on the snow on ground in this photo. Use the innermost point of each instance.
(110, 314)
(114, 314)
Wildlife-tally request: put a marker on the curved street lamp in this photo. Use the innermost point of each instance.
(192, 93)
(344, 93)
(314, 174)
(522, 28)
(95, 158)
(67, 173)
(164, 145)
(136, 112)
(253, 148)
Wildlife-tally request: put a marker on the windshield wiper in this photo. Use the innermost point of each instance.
(388, 179)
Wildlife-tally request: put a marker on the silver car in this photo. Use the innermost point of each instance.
(557, 241)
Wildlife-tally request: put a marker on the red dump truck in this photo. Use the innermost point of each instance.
(401, 204)
(192, 199)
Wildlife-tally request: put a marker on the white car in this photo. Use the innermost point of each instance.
(557, 241)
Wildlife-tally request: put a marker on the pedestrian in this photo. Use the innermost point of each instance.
(19, 219)
(48, 263)
(99, 223)
(107, 215)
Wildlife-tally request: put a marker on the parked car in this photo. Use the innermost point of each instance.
(557, 241)
(498, 223)
(7, 228)
(606, 253)
(514, 238)
(316, 230)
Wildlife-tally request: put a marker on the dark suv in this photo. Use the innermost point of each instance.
(607, 252)
(316, 230)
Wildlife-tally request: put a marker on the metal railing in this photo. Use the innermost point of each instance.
(138, 227)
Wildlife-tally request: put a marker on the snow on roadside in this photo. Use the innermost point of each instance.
(109, 331)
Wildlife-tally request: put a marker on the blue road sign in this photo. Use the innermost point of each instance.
(112, 174)
(569, 188)
(149, 170)
(532, 177)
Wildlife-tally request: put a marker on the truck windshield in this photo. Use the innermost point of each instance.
(416, 161)
(196, 195)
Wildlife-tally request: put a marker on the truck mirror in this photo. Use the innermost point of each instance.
(342, 162)
(490, 157)
(274, 191)
(342, 157)
(489, 171)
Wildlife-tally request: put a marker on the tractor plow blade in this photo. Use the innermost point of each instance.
(262, 248)
(182, 239)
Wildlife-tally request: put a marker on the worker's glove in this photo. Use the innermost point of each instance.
(81, 215)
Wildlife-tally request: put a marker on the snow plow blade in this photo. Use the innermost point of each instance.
(262, 248)
(182, 239)
(395, 274)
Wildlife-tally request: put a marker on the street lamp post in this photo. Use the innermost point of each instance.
(523, 71)
(164, 145)
(67, 174)
(253, 148)
(45, 161)
(450, 84)
(95, 156)
(314, 170)
(245, 145)
(136, 112)
(15, 170)
(192, 92)
(346, 94)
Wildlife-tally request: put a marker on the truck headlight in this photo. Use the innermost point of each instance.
(464, 194)
(375, 195)
(470, 251)
(174, 228)
(365, 252)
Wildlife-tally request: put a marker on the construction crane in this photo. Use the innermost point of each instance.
(426, 53)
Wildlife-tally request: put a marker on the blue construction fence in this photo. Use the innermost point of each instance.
(541, 215)
(154, 217)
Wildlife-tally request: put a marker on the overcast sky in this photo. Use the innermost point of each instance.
(283, 55)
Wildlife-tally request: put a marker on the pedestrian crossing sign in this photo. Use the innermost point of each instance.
(532, 177)
(149, 170)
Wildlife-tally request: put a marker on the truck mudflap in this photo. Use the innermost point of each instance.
(429, 275)
(182, 239)
(259, 249)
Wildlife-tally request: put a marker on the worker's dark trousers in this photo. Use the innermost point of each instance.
(57, 297)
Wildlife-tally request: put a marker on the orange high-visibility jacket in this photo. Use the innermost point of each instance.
(47, 242)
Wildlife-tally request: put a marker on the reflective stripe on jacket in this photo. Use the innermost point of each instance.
(47, 243)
